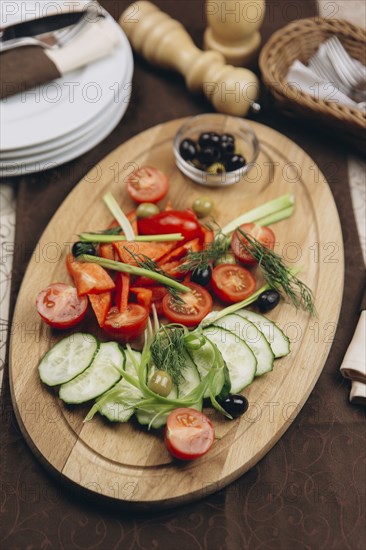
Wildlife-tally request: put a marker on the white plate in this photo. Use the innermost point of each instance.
(35, 118)
(73, 151)
(40, 153)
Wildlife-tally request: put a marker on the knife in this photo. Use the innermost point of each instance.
(40, 26)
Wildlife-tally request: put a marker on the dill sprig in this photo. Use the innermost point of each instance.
(277, 274)
(195, 261)
(111, 231)
(147, 263)
(168, 351)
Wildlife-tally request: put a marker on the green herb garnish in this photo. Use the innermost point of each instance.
(168, 351)
(147, 263)
(277, 274)
(196, 261)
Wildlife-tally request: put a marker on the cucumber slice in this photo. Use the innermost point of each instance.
(191, 377)
(279, 343)
(67, 359)
(253, 337)
(238, 356)
(203, 358)
(118, 404)
(99, 377)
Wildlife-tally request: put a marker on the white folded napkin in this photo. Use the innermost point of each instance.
(96, 39)
(354, 362)
(309, 82)
(322, 79)
(29, 66)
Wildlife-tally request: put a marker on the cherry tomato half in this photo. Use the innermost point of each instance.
(147, 184)
(232, 283)
(60, 306)
(172, 221)
(189, 433)
(264, 235)
(129, 324)
(191, 308)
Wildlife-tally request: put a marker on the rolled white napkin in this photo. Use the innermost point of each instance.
(96, 39)
(354, 362)
(29, 66)
(309, 82)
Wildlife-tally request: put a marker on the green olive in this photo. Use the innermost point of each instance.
(202, 206)
(161, 383)
(227, 258)
(146, 209)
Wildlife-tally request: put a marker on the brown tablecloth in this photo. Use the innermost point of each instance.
(308, 492)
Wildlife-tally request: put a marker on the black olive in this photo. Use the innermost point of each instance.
(201, 276)
(227, 138)
(208, 155)
(227, 148)
(209, 139)
(188, 149)
(234, 163)
(235, 405)
(81, 247)
(268, 300)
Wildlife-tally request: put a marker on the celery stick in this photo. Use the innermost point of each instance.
(101, 238)
(276, 216)
(115, 209)
(133, 270)
(261, 212)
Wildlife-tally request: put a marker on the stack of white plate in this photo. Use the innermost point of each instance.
(58, 121)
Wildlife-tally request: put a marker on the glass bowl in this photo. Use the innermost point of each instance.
(246, 144)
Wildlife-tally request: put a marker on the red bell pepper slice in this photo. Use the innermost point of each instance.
(172, 221)
(88, 278)
(153, 250)
(143, 295)
(101, 304)
(122, 291)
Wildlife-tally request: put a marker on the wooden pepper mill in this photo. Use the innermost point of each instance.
(164, 41)
(233, 29)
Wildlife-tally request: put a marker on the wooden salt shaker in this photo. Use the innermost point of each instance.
(233, 29)
(164, 42)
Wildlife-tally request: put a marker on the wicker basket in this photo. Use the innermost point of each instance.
(300, 40)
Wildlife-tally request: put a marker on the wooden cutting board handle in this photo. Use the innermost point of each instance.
(163, 41)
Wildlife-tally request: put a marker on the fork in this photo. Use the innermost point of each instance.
(326, 72)
(51, 40)
(346, 67)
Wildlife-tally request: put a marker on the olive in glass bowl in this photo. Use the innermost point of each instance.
(215, 150)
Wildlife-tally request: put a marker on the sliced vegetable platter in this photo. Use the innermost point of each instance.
(126, 462)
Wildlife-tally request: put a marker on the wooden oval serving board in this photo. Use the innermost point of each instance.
(124, 462)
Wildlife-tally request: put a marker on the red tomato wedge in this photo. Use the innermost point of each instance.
(101, 304)
(188, 434)
(122, 291)
(88, 278)
(172, 221)
(264, 235)
(147, 184)
(60, 306)
(143, 295)
(232, 283)
(153, 250)
(192, 307)
(128, 325)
